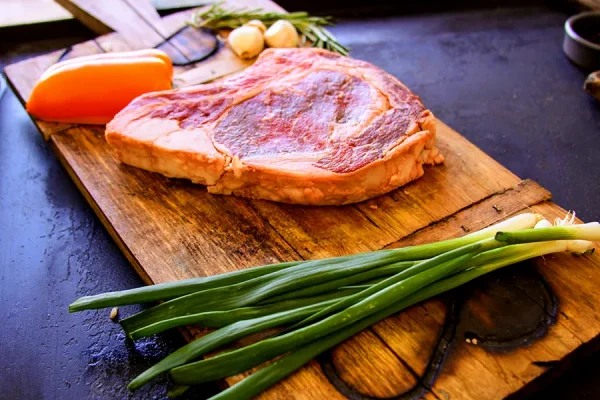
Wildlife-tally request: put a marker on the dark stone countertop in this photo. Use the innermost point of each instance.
(497, 76)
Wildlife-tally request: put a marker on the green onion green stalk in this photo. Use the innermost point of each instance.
(315, 305)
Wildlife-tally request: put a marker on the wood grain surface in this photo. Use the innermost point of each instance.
(486, 340)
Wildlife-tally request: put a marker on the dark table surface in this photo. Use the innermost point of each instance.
(497, 76)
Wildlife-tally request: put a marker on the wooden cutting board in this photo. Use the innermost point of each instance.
(500, 335)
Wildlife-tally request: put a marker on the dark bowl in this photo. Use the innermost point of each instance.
(582, 39)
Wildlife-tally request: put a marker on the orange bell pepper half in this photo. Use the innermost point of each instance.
(93, 89)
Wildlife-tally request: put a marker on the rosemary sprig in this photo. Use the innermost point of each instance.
(312, 29)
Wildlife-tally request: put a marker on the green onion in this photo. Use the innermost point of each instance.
(218, 319)
(221, 337)
(169, 290)
(328, 300)
(287, 301)
(236, 361)
(484, 245)
(325, 287)
(589, 231)
(248, 293)
(273, 373)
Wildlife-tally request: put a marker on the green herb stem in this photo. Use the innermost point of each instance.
(475, 248)
(219, 319)
(250, 292)
(222, 337)
(169, 290)
(325, 287)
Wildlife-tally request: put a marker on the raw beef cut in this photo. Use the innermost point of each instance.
(303, 126)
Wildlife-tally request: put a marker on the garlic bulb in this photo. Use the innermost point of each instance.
(257, 24)
(246, 41)
(281, 34)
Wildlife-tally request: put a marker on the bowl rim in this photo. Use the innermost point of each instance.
(574, 35)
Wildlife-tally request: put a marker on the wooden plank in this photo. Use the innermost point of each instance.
(470, 371)
(137, 22)
(196, 248)
(26, 12)
(308, 383)
(85, 17)
(187, 45)
(488, 211)
(413, 334)
(138, 26)
(388, 376)
(116, 42)
(224, 63)
(397, 350)
(115, 15)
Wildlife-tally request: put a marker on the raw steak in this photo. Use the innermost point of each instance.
(303, 126)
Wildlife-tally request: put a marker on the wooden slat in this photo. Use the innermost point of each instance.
(86, 17)
(136, 21)
(146, 10)
(25, 12)
(148, 31)
(115, 15)
(488, 211)
(225, 62)
(308, 383)
(403, 344)
(413, 334)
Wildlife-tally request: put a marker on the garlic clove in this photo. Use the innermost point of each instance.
(281, 34)
(257, 24)
(246, 41)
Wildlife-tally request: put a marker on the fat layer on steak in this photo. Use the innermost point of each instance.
(303, 126)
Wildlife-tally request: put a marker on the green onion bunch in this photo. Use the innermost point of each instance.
(318, 304)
